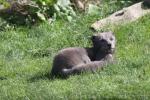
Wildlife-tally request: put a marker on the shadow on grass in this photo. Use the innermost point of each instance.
(112, 98)
(46, 76)
(38, 77)
(3, 78)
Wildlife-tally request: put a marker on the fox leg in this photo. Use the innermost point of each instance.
(92, 66)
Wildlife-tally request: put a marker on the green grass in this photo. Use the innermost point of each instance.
(26, 57)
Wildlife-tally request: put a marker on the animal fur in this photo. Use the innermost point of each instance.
(76, 60)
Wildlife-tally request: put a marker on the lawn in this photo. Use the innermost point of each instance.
(26, 57)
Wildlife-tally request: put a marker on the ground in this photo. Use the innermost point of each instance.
(26, 57)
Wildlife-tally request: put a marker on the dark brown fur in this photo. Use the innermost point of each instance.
(76, 60)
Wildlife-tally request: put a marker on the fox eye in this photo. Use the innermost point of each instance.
(111, 39)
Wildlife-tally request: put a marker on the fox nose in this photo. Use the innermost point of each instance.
(109, 45)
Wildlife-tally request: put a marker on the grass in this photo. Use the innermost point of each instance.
(26, 57)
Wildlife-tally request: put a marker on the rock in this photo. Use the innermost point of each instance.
(82, 5)
(79, 4)
(2, 7)
(125, 15)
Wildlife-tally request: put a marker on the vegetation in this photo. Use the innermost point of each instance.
(26, 56)
(29, 12)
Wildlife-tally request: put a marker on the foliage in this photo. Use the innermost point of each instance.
(33, 10)
(29, 12)
(64, 10)
(45, 8)
(4, 2)
(4, 25)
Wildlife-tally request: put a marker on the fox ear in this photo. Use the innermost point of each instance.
(93, 37)
(112, 33)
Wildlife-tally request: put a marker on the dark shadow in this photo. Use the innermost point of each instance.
(39, 77)
(112, 98)
(62, 77)
(146, 5)
(92, 29)
(3, 78)
(46, 76)
(18, 19)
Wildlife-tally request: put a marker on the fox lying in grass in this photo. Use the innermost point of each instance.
(76, 60)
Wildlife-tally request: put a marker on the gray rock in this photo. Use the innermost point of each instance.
(1, 7)
(125, 15)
